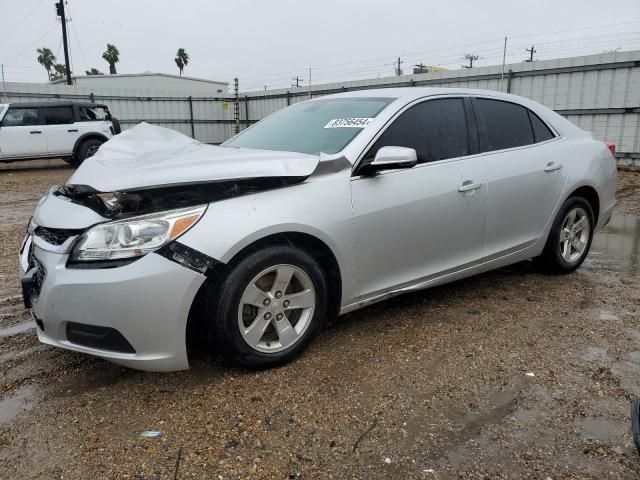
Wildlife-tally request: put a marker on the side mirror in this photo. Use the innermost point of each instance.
(388, 158)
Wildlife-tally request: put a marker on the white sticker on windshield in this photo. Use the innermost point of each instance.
(348, 123)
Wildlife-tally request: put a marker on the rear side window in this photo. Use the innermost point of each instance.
(436, 129)
(541, 132)
(57, 115)
(91, 114)
(19, 117)
(506, 124)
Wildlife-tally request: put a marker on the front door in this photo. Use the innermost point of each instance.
(420, 223)
(22, 134)
(61, 132)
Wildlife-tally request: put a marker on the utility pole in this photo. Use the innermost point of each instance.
(4, 87)
(531, 52)
(504, 58)
(236, 106)
(398, 69)
(472, 58)
(297, 79)
(63, 20)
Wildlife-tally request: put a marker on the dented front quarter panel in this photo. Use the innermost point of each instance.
(319, 207)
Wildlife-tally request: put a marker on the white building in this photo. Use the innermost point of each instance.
(153, 83)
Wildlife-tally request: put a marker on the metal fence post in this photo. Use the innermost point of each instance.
(288, 98)
(246, 110)
(193, 128)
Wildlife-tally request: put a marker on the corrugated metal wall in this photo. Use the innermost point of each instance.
(599, 93)
(212, 119)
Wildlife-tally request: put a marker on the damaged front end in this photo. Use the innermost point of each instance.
(127, 203)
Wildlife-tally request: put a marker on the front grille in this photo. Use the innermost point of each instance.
(55, 236)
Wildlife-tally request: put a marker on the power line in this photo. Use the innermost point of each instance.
(21, 21)
(75, 33)
(32, 44)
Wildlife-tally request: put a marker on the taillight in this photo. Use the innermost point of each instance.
(612, 147)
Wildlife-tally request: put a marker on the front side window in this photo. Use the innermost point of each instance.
(20, 117)
(58, 115)
(506, 124)
(326, 125)
(435, 129)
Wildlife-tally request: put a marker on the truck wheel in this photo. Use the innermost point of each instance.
(87, 149)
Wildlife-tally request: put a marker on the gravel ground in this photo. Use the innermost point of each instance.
(511, 374)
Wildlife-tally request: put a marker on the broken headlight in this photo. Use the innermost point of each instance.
(134, 237)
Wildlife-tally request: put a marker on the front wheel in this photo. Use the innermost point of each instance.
(570, 236)
(87, 149)
(270, 307)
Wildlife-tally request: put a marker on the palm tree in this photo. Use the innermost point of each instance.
(112, 56)
(46, 58)
(182, 59)
(93, 71)
(60, 71)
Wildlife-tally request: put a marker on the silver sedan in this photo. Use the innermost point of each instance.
(159, 243)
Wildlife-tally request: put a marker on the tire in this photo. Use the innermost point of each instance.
(87, 149)
(555, 256)
(249, 297)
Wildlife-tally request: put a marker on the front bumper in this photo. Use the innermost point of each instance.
(147, 302)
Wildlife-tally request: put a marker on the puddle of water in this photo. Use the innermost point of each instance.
(594, 354)
(19, 401)
(606, 315)
(16, 329)
(617, 246)
(594, 428)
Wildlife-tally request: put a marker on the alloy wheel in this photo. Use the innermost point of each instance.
(276, 308)
(574, 234)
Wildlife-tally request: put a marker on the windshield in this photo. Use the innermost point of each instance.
(312, 127)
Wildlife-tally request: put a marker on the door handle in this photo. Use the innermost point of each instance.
(33, 132)
(552, 167)
(468, 186)
(72, 130)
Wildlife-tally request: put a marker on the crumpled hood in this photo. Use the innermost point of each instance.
(149, 156)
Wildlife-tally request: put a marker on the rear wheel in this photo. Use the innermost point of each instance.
(270, 307)
(570, 236)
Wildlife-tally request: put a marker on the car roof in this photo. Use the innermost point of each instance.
(56, 103)
(411, 93)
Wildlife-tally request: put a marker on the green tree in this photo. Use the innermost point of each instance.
(47, 59)
(112, 56)
(93, 71)
(59, 71)
(182, 59)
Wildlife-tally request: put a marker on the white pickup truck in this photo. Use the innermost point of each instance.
(64, 129)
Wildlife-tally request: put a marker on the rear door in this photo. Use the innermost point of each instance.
(93, 119)
(419, 223)
(60, 130)
(524, 171)
(22, 133)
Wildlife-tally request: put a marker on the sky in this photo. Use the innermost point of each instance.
(268, 42)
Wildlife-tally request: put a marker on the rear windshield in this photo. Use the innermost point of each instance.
(326, 125)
